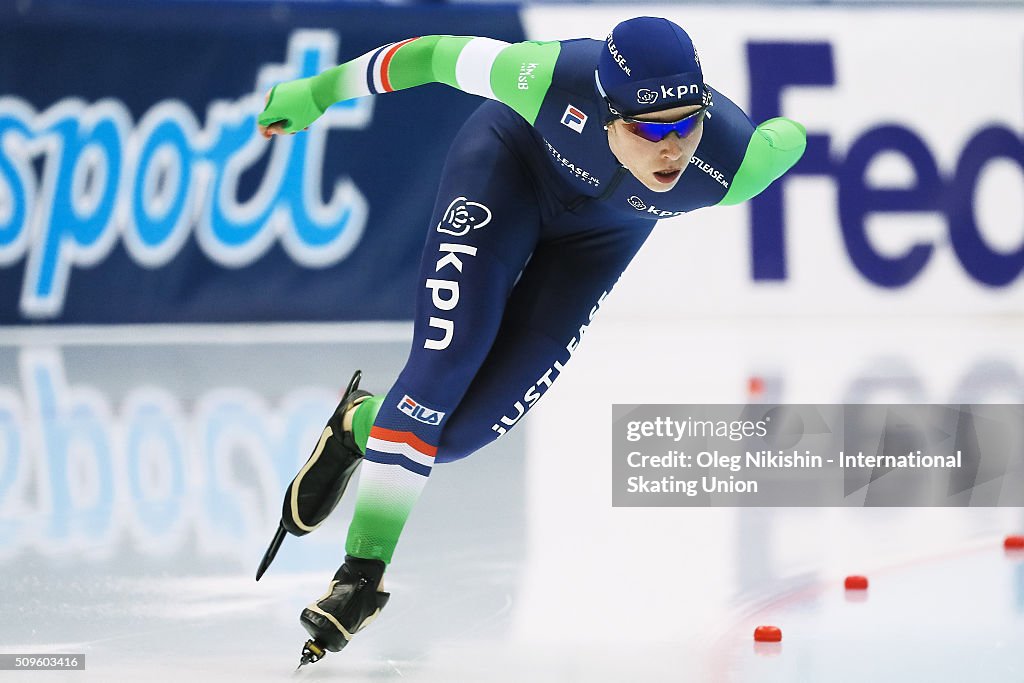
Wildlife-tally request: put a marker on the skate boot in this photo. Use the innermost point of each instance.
(317, 488)
(352, 601)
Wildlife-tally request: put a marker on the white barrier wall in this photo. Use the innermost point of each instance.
(914, 203)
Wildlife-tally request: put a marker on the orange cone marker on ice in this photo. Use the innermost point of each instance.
(768, 634)
(856, 583)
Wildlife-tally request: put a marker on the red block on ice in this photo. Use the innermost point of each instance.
(856, 583)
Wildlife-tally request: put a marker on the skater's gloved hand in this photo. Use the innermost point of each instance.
(289, 107)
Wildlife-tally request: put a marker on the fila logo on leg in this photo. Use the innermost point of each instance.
(420, 412)
(574, 118)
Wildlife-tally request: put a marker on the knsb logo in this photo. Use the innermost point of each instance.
(102, 179)
(637, 203)
(574, 118)
(645, 96)
(420, 412)
(526, 75)
(462, 215)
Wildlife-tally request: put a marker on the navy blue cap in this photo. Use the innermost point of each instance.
(649, 64)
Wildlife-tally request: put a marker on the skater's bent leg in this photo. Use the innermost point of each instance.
(402, 443)
(387, 490)
(484, 228)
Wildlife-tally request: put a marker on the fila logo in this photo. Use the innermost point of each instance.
(574, 118)
(419, 412)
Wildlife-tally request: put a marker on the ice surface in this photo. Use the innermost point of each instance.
(140, 484)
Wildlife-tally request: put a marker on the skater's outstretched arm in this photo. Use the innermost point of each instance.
(481, 66)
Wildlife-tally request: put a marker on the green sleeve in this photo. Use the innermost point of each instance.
(774, 147)
(518, 74)
(521, 76)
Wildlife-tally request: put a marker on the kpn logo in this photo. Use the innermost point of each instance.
(646, 96)
(80, 177)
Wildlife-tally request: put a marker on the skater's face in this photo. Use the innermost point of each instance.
(658, 165)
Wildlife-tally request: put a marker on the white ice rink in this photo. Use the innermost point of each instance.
(141, 478)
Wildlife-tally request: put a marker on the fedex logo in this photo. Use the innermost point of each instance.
(420, 412)
(573, 118)
(949, 194)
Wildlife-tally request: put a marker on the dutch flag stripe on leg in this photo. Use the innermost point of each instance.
(415, 453)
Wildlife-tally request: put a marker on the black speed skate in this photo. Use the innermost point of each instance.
(317, 488)
(352, 601)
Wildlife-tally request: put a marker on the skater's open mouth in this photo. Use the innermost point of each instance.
(667, 176)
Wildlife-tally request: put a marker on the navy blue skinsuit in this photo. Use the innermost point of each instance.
(552, 220)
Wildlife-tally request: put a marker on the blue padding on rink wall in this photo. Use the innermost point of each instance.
(89, 73)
